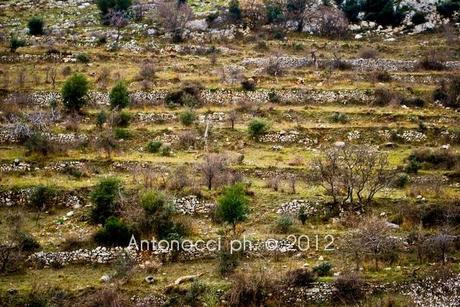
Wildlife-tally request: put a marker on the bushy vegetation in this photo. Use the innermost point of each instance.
(233, 205)
(154, 146)
(119, 96)
(257, 127)
(113, 233)
(35, 25)
(75, 92)
(105, 197)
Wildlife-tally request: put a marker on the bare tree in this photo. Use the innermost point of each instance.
(173, 16)
(232, 116)
(119, 20)
(329, 21)
(212, 167)
(371, 239)
(107, 142)
(353, 174)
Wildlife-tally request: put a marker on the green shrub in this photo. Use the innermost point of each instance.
(257, 127)
(448, 8)
(39, 143)
(35, 25)
(154, 146)
(28, 243)
(158, 213)
(401, 180)
(413, 165)
(274, 11)
(122, 134)
(437, 158)
(248, 85)
(418, 18)
(187, 96)
(16, 43)
(119, 96)
(83, 58)
(41, 197)
(101, 119)
(165, 150)
(114, 233)
(122, 119)
(234, 11)
(105, 6)
(338, 117)
(284, 224)
(105, 197)
(233, 205)
(302, 215)
(323, 269)
(228, 262)
(187, 117)
(75, 92)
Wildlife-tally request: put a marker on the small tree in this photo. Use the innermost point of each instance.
(35, 26)
(302, 215)
(187, 117)
(117, 5)
(106, 197)
(119, 96)
(233, 205)
(173, 16)
(16, 43)
(114, 233)
(212, 167)
(41, 197)
(234, 11)
(75, 92)
(257, 127)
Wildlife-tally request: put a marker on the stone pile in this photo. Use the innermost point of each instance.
(292, 207)
(100, 255)
(281, 137)
(355, 64)
(224, 97)
(21, 197)
(192, 205)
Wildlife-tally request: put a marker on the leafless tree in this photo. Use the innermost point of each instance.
(103, 77)
(330, 22)
(274, 182)
(51, 74)
(212, 167)
(107, 142)
(232, 116)
(254, 13)
(353, 174)
(292, 180)
(371, 239)
(119, 20)
(173, 16)
(440, 244)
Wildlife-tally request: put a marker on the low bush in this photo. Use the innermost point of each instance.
(105, 197)
(248, 85)
(122, 133)
(284, 224)
(187, 117)
(101, 119)
(35, 25)
(413, 102)
(257, 127)
(83, 58)
(401, 180)
(250, 290)
(338, 117)
(119, 96)
(113, 233)
(39, 143)
(189, 95)
(42, 197)
(383, 76)
(368, 53)
(154, 146)
(348, 288)
(122, 119)
(228, 262)
(384, 97)
(323, 269)
(438, 158)
(300, 278)
(16, 43)
(165, 150)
